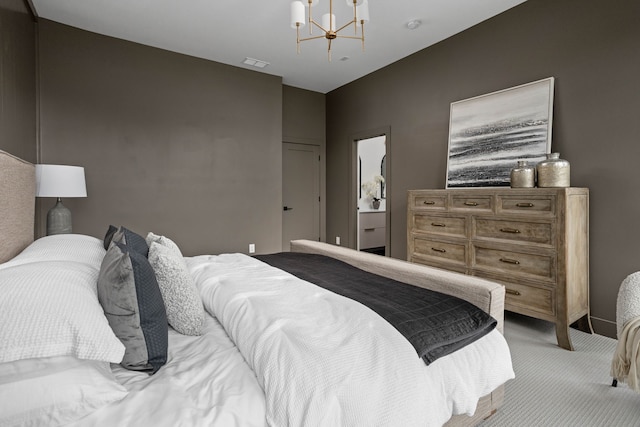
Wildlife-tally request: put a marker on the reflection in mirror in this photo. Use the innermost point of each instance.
(371, 175)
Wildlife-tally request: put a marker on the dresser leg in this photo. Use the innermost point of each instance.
(562, 334)
(562, 330)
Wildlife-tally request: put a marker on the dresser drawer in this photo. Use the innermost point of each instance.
(433, 262)
(372, 237)
(447, 225)
(429, 201)
(529, 232)
(476, 203)
(515, 263)
(372, 219)
(437, 250)
(524, 299)
(535, 205)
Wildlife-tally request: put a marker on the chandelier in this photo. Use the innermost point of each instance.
(328, 26)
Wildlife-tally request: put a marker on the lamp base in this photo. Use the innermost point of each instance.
(58, 219)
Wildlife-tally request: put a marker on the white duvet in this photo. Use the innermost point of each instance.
(325, 360)
(302, 357)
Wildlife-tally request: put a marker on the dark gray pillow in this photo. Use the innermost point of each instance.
(130, 238)
(132, 302)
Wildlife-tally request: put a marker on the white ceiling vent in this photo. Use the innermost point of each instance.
(255, 62)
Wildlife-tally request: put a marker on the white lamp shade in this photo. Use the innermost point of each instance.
(327, 20)
(362, 12)
(350, 2)
(60, 181)
(297, 14)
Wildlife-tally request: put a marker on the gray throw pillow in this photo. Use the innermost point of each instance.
(185, 311)
(108, 237)
(132, 302)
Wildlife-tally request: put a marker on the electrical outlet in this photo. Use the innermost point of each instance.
(252, 248)
(338, 240)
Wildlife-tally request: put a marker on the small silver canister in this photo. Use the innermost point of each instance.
(523, 175)
(553, 172)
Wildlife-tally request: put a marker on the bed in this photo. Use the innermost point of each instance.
(265, 347)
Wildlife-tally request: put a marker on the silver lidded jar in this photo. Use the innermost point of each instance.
(553, 172)
(523, 175)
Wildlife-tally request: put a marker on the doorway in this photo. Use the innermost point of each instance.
(372, 197)
(300, 193)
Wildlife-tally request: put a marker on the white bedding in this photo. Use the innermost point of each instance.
(321, 358)
(205, 382)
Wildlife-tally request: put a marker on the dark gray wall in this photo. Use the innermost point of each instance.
(173, 144)
(303, 114)
(591, 47)
(17, 80)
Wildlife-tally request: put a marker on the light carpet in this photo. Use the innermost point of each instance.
(556, 387)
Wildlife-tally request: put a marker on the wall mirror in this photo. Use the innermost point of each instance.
(372, 197)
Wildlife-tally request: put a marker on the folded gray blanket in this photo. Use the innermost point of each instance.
(435, 324)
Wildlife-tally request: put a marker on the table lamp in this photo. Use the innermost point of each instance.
(59, 181)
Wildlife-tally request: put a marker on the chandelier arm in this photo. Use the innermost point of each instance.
(317, 25)
(312, 38)
(346, 25)
(350, 37)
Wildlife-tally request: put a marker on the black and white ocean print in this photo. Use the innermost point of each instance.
(490, 133)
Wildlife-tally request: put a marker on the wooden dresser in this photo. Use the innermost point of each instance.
(535, 241)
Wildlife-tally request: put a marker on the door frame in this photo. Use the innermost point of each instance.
(353, 192)
(323, 173)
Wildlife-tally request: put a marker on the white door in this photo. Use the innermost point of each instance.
(300, 193)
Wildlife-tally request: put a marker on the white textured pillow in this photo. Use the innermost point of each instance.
(185, 312)
(166, 242)
(51, 308)
(55, 390)
(61, 247)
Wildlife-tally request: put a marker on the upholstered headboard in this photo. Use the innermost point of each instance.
(17, 205)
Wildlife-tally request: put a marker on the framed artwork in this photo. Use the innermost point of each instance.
(488, 134)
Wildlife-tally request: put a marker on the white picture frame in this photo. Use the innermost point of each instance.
(489, 133)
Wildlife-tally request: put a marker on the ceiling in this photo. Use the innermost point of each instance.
(228, 31)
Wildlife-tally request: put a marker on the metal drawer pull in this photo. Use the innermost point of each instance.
(370, 229)
(510, 261)
(510, 230)
(438, 224)
(438, 250)
(512, 292)
(471, 203)
(524, 205)
(429, 202)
